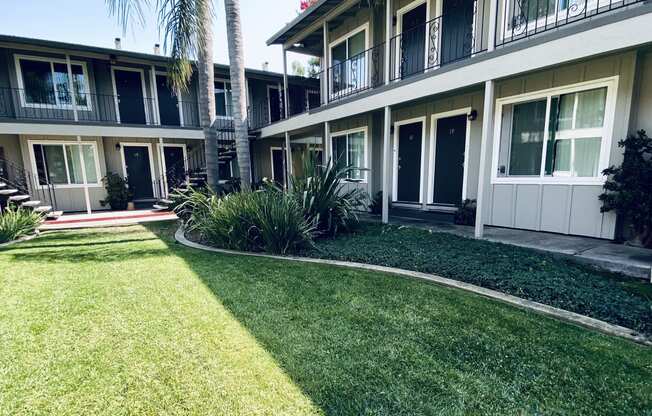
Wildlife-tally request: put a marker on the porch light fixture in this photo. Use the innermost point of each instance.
(473, 115)
(117, 146)
(298, 45)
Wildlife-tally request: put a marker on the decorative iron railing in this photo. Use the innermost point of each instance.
(22, 104)
(38, 187)
(356, 74)
(520, 19)
(451, 37)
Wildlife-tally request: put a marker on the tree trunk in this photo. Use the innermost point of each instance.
(207, 117)
(238, 88)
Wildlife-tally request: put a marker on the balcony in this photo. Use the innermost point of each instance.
(22, 105)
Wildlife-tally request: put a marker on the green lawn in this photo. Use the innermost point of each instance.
(125, 321)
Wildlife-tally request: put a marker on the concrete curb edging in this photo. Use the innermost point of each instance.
(560, 314)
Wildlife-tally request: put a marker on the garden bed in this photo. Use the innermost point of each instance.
(526, 273)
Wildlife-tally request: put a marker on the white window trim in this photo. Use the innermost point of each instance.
(607, 133)
(433, 150)
(151, 161)
(552, 19)
(365, 156)
(364, 27)
(399, 31)
(185, 155)
(115, 89)
(93, 144)
(226, 104)
(397, 128)
(52, 61)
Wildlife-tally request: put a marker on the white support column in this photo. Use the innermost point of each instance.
(388, 36)
(71, 88)
(161, 168)
(182, 121)
(387, 162)
(493, 19)
(157, 109)
(325, 66)
(288, 160)
(285, 83)
(87, 196)
(327, 141)
(487, 141)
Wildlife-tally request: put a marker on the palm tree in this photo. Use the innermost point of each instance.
(188, 29)
(238, 87)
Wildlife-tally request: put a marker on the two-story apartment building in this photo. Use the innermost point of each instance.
(518, 104)
(70, 114)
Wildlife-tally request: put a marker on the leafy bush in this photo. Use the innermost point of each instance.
(465, 214)
(186, 202)
(117, 192)
(252, 221)
(376, 206)
(18, 222)
(629, 188)
(326, 204)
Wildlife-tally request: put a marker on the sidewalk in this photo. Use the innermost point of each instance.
(633, 261)
(106, 219)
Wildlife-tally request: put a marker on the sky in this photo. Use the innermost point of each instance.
(88, 22)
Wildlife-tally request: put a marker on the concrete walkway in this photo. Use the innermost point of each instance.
(107, 219)
(632, 261)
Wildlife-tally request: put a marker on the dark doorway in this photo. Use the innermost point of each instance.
(410, 137)
(3, 164)
(449, 160)
(131, 103)
(225, 170)
(457, 30)
(139, 174)
(274, 104)
(278, 166)
(168, 104)
(413, 41)
(175, 167)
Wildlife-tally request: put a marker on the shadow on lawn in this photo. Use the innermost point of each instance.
(367, 343)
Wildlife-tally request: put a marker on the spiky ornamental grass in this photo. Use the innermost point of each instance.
(16, 222)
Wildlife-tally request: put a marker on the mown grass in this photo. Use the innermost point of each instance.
(124, 321)
(518, 271)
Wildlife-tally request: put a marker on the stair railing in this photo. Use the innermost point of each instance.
(38, 186)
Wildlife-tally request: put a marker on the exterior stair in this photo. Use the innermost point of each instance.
(15, 186)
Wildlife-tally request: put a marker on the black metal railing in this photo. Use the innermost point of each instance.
(28, 183)
(443, 40)
(359, 73)
(521, 19)
(23, 104)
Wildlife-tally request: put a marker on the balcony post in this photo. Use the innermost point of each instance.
(288, 161)
(327, 141)
(388, 38)
(285, 82)
(71, 88)
(387, 162)
(487, 141)
(84, 177)
(156, 110)
(161, 164)
(325, 65)
(493, 23)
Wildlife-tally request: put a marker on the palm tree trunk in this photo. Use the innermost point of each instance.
(207, 115)
(238, 87)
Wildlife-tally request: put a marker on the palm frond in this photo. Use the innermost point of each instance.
(184, 24)
(127, 10)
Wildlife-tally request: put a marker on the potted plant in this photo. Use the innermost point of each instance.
(628, 191)
(118, 196)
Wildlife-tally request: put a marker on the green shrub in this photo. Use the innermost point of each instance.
(117, 192)
(376, 206)
(191, 203)
(252, 221)
(465, 214)
(326, 204)
(18, 222)
(629, 188)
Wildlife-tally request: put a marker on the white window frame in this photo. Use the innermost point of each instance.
(433, 150)
(606, 133)
(52, 61)
(397, 128)
(365, 156)
(269, 102)
(399, 31)
(63, 143)
(151, 161)
(552, 19)
(143, 87)
(271, 159)
(344, 38)
(227, 105)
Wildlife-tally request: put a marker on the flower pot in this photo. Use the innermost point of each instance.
(131, 206)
